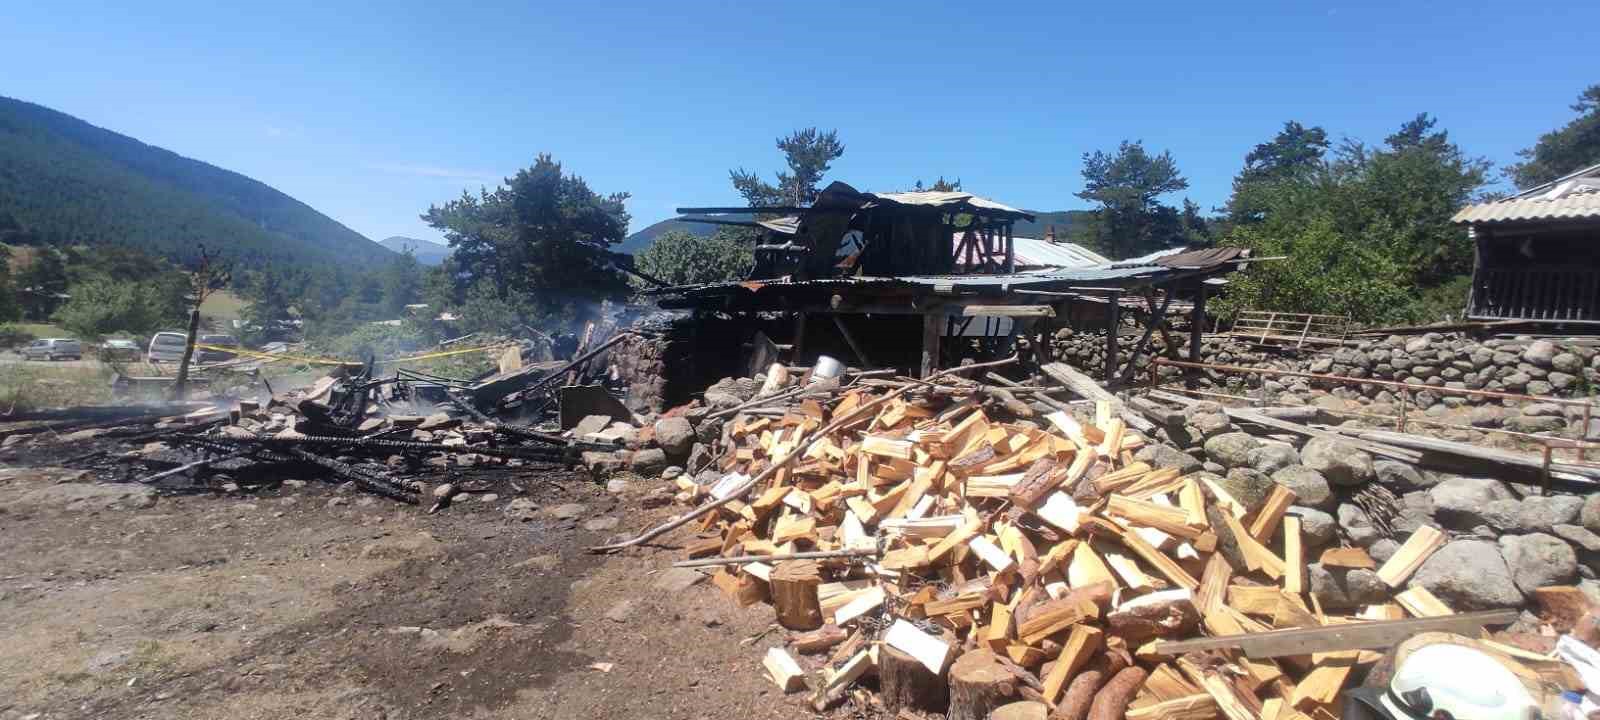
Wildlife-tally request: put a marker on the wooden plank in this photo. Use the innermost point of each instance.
(1416, 550)
(1294, 561)
(1333, 638)
(1082, 643)
(1213, 584)
(1266, 520)
(1170, 520)
(1423, 604)
(1148, 553)
(1348, 557)
(887, 447)
(1055, 616)
(932, 652)
(1188, 707)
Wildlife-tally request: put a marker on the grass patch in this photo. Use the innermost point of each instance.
(42, 330)
(223, 307)
(31, 386)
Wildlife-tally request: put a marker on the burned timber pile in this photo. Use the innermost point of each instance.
(945, 544)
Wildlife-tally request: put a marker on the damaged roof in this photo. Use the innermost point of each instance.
(1574, 197)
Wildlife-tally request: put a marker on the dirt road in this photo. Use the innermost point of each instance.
(316, 602)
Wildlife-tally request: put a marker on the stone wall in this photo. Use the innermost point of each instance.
(1506, 539)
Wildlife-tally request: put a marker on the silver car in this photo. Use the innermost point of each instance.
(167, 347)
(53, 349)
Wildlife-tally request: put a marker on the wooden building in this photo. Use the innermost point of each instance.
(1538, 253)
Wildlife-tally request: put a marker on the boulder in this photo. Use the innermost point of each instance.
(1161, 455)
(1539, 513)
(675, 436)
(648, 462)
(1273, 456)
(1538, 560)
(1567, 362)
(522, 509)
(1317, 528)
(591, 424)
(1458, 502)
(1231, 450)
(1579, 537)
(1357, 525)
(1247, 485)
(1542, 409)
(1535, 423)
(1485, 416)
(1589, 516)
(1469, 575)
(1399, 474)
(1211, 424)
(1336, 587)
(1340, 461)
(600, 464)
(1540, 353)
(1310, 488)
(1382, 550)
(1501, 514)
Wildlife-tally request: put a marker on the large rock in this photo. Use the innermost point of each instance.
(1248, 486)
(1341, 588)
(676, 436)
(1501, 514)
(1539, 513)
(1161, 455)
(1459, 502)
(1535, 423)
(1273, 456)
(1538, 560)
(1311, 489)
(1398, 474)
(1469, 575)
(1589, 517)
(1340, 461)
(1357, 525)
(1231, 450)
(648, 462)
(1317, 528)
(1540, 353)
(1567, 363)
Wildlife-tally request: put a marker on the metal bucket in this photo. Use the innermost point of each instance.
(826, 368)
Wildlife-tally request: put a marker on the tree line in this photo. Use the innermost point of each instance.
(1363, 227)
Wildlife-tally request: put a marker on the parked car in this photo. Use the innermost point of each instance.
(209, 355)
(119, 350)
(167, 347)
(53, 349)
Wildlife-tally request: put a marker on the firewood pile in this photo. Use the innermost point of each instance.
(983, 567)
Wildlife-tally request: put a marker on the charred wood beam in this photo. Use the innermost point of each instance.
(551, 454)
(371, 483)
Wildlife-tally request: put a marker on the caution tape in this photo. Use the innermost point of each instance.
(347, 363)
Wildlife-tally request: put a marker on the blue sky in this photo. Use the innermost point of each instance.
(370, 112)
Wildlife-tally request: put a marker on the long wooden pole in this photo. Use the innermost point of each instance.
(786, 460)
(180, 389)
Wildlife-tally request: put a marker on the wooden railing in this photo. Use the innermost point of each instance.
(1537, 294)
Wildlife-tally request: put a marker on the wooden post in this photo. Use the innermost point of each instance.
(794, 594)
(180, 388)
(932, 327)
(979, 683)
(1197, 330)
(1113, 321)
(799, 339)
(850, 340)
(906, 683)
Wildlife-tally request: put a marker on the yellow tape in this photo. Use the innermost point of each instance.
(348, 363)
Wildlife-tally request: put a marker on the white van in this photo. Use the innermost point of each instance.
(167, 347)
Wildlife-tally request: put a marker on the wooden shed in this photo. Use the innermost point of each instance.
(1538, 253)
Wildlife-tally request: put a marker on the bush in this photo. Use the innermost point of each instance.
(12, 336)
(679, 258)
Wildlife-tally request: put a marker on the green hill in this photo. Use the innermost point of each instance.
(66, 182)
(1070, 225)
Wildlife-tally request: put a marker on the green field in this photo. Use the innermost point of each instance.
(223, 307)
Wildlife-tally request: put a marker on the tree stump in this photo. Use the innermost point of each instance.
(978, 685)
(794, 594)
(905, 682)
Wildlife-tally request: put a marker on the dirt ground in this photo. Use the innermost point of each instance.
(312, 601)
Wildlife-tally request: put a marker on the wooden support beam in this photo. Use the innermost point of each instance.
(849, 339)
(932, 331)
(1332, 638)
(1113, 321)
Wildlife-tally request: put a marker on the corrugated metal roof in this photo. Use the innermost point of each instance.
(1033, 252)
(935, 198)
(1577, 199)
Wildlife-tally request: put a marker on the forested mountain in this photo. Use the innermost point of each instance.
(427, 253)
(66, 182)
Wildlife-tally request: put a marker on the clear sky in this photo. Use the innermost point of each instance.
(370, 112)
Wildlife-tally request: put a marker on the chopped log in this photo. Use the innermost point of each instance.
(979, 683)
(1157, 615)
(784, 670)
(1416, 549)
(1188, 707)
(794, 594)
(818, 640)
(1351, 557)
(1112, 701)
(932, 652)
(905, 683)
(1083, 642)
(1023, 710)
(1294, 559)
(1563, 606)
(1080, 694)
(1422, 603)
